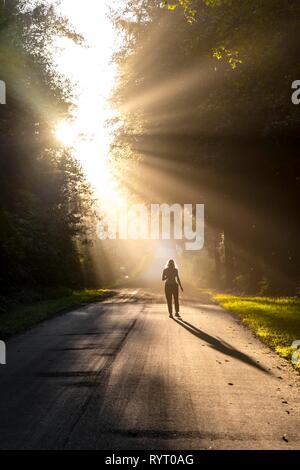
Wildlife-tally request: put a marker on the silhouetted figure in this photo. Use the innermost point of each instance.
(171, 276)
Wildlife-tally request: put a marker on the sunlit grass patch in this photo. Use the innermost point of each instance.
(275, 320)
(26, 316)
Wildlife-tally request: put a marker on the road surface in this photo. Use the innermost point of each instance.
(122, 375)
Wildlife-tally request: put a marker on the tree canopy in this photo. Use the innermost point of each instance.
(45, 201)
(204, 95)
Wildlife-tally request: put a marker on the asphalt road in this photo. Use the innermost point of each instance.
(122, 375)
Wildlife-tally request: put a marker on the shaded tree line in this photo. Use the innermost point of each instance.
(204, 102)
(46, 205)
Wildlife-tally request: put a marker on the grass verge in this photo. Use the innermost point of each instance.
(24, 317)
(276, 321)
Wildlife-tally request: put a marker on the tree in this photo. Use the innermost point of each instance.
(209, 101)
(46, 208)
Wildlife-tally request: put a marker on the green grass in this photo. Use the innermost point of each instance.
(24, 317)
(276, 321)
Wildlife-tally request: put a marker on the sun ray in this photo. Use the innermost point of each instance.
(90, 73)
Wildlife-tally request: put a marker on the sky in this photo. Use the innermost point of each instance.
(91, 72)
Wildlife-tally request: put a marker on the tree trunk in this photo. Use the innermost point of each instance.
(229, 262)
(218, 266)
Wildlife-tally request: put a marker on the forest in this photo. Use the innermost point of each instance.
(149, 228)
(203, 115)
(205, 96)
(46, 202)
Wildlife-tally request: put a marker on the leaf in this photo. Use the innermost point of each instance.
(172, 7)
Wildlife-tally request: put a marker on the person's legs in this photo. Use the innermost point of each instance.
(168, 291)
(176, 298)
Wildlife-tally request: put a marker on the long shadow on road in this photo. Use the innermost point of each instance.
(220, 345)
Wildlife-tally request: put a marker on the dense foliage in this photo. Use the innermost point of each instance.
(204, 95)
(45, 202)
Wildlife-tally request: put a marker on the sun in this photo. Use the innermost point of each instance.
(89, 148)
(65, 133)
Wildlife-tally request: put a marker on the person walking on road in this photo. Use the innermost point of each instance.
(171, 276)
